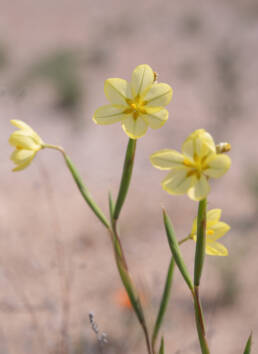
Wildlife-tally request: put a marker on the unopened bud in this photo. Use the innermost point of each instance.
(223, 147)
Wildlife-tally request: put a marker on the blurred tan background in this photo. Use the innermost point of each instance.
(56, 261)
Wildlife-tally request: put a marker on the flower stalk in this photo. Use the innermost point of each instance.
(80, 184)
(126, 177)
(198, 267)
(200, 243)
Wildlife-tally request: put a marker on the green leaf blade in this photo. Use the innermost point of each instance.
(174, 247)
(164, 301)
(248, 345)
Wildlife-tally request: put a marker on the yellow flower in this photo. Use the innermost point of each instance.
(191, 169)
(137, 104)
(215, 229)
(26, 142)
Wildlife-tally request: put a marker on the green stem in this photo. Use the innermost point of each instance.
(183, 240)
(199, 320)
(85, 192)
(198, 267)
(128, 284)
(126, 177)
(81, 186)
(200, 242)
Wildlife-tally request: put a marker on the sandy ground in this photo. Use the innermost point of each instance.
(56, 261)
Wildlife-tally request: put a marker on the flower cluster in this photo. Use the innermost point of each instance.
(137, 105)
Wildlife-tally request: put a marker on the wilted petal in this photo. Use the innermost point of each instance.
(218, 165)
(156, 119)
(142, 78)
(200, 190)
(158, 95)
(216, 249)
(134, 128)
(166, 159)
(117, 91)
(109, 114)
(177, 182)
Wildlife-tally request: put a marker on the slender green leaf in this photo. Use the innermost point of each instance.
(248, 345)
(85, 192)
(164, 301)
(161, 349)
(111, 206)
(126, 177)
(200, 242)
(176, 251)
(131, 292)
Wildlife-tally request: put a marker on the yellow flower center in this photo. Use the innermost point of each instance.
(210, 232)
(136, 107)
(197, 166)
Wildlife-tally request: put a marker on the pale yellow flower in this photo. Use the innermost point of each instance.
(191, 169)
(215, 229)
(137, 104)
(26, 142)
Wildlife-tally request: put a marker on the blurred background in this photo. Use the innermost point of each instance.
(56, 260)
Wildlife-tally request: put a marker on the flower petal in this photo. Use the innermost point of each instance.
(109, 114)
(158, 95)
(21, 156)
(23, 139)
(218, 165)
(200, 190)
(21, 125)
(177, 182)
(26, 128)
(166, 159)
(22, 166)
(213, 215)
(117, 91)
(199, 143)
(156, 119)
(142, 78)
(216, 249)
(134, 128)
(219, 229)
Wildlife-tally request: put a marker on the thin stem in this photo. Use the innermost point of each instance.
(198, 267)
(54, 147)
(189, 237)
(80, 184)
(147, 339)
(126, 177)
(199, 319)
(200, 242)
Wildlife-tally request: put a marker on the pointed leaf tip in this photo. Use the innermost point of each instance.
(161, 349)
(248, 344)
